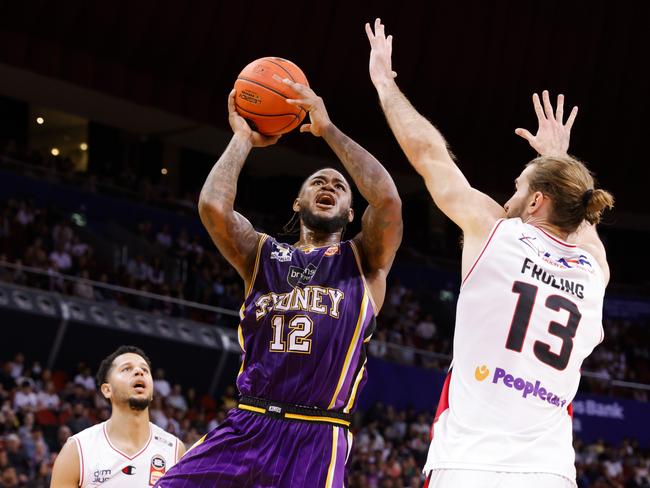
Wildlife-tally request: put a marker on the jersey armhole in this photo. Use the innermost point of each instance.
(251, 285)
(81, 461)
(357, 258)
(485, 246)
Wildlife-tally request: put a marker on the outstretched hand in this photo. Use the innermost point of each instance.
(313, 104)
(381, 70)
(553, 136)
(239, 126)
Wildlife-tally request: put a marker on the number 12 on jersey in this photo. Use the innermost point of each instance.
(521, 320)
(300, 329)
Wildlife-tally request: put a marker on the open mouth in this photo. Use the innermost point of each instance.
(325, 200)
(139, 386)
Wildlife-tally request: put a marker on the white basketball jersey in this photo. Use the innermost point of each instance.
(103, 464)
(529, 312)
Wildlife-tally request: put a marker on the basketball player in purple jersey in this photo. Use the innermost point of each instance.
(309, 311)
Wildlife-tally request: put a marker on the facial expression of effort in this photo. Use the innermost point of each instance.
(522, 203)
(324, 203)
(129, 382)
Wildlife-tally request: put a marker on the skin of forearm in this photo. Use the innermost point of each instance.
(414, 133)
(220, 187)
(371, 178)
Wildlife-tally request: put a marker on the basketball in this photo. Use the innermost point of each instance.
(261, 96)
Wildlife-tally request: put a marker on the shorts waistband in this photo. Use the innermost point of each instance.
(288, 411)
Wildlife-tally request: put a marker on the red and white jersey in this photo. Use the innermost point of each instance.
(529, 312)
(103, 464)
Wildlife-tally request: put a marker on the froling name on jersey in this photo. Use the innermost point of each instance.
(530, 268)
(315, 299)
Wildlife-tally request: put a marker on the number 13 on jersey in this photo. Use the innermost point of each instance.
(521, 320)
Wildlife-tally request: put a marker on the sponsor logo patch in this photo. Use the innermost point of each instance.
(99, 476)
(157, 469)
(299, 276)
(527, 389)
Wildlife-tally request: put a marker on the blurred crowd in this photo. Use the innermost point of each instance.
(40, 409)
(415, 327)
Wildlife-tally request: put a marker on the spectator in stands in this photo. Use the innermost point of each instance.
(18, 366)
(85, 378)
(25, 398)
(7, 381)
(17, 457)
(83, 288)
(176, 399)
(138, 268)
(164, 237)
(25, 214)
(48, 399)
(426, 329)
(160, 384)
(80, 419)
(60, 259)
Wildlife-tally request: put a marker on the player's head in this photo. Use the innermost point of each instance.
(559, 189)
(124, 378)
(324, 203)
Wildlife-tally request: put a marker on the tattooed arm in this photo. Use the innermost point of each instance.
(381, 225)
(231, 232)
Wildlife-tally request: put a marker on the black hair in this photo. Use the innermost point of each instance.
(107, 363)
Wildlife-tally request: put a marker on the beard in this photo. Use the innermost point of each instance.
(514, 212)
(139, 404)
(327, 225)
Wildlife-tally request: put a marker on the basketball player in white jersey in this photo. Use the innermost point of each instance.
(530, 304)
(127, 450)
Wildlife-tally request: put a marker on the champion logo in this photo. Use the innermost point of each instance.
(128, 470)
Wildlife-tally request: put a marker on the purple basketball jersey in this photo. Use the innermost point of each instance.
(304, 326)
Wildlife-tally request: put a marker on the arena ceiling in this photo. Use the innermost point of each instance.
(469, 66)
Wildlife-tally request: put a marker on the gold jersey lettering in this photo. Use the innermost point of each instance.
(314, 299)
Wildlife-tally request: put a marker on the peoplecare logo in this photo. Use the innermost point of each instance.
(481, 373)
(527, 388)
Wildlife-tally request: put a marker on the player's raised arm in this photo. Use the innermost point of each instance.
(426, 148)
(232, 233)
(553, 134)
(381, 225)
(552, 139)
(65, 473)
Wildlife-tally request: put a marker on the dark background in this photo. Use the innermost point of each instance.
(469, 66)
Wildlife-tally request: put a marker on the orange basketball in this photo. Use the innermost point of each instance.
(261, 96)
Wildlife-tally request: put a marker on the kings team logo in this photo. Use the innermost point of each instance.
(281, 252)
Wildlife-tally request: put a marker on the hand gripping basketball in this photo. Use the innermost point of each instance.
(240, 126)
(313, 104)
